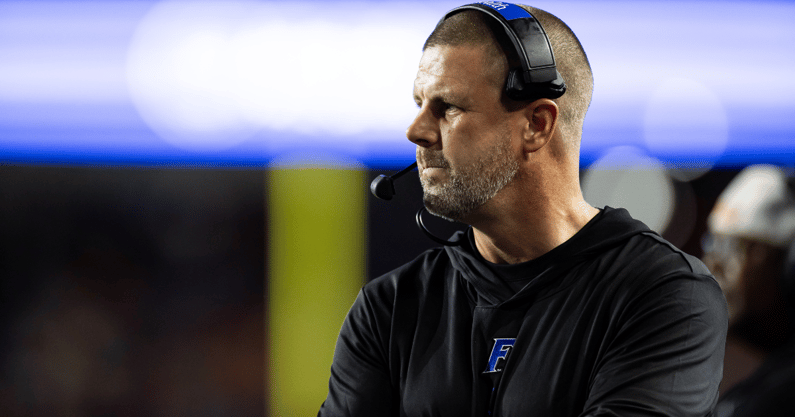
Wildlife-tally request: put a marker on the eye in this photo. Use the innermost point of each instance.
(450, 108)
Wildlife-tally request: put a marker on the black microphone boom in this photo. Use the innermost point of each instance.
(383, 186)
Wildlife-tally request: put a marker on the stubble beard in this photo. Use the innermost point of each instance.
(469, 187)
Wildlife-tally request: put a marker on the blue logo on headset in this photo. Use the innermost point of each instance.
(509, 11)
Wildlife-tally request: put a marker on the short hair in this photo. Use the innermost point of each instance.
(474, 28)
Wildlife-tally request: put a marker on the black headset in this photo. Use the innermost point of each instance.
(537, 77)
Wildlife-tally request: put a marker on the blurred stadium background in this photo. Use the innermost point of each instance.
(185, 217)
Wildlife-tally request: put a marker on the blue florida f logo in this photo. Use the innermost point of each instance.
(499, 352)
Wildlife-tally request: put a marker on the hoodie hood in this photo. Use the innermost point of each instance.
(607, 229)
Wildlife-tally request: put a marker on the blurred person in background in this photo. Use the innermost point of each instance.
(751, 230)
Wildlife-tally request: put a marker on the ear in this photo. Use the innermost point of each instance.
(541, 120)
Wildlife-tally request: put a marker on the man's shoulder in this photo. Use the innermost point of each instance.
(405, 291)
(647, 265)
(672, 255)
(634, 242)
(414, 274)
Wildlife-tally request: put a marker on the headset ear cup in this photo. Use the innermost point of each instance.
(557, 87)
(517, 89)
(514, 85)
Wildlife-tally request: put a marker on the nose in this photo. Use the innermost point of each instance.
(424, 130)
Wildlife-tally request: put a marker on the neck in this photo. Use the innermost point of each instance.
(511, 229)
(525, 231)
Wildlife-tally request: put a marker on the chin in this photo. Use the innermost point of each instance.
(440, 208)
(432, 205)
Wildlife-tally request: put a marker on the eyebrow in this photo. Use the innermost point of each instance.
(444, 94)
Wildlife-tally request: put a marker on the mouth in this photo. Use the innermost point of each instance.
(431, 163)
(432, 176)
(427, 168)
(424, 165)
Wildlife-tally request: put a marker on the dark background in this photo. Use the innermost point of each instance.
(141, 292)
(131, 292)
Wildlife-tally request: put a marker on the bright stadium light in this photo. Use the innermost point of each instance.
(682, 111)
(625, 177)
(248, 82)
(209, 75)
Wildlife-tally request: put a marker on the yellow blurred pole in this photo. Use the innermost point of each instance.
(316, 265)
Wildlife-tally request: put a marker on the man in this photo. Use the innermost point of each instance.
(548, 307)
(750, 230)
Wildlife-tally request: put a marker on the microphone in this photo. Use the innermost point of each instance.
(383, 187)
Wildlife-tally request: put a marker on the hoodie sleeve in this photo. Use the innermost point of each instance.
(667, 356)
(360, 384)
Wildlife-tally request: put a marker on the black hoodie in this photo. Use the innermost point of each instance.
(614, 322)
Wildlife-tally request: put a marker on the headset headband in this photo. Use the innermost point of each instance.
(538, 78)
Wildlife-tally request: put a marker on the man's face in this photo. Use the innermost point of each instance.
(465, 149)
